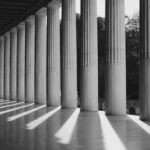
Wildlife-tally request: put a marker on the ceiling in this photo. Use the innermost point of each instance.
(13, 12)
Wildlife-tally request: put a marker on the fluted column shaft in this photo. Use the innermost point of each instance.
(40, 56)
(115, 84)
(68, 55)
(89, 56)
(13, 64)
(29, 59)
(21, 62)
(53, 55)
(7, 66)
(144, 80)
(2, 67)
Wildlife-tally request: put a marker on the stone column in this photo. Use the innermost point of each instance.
(29, 59)
(115, 84)
(89, 56)
(144, 87)
(53, 55)
(7, 66)
(21, 62)
(13, 64)
(69, 62)
(2, 67)
(40, 56)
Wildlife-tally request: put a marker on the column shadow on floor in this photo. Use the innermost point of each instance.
(10, 105)
(8, 102)
(14, 133)
(70, 129)
(17, 137)
(79, 131)
(129, 133)
(145, 125)
(13, 108)
(4, 101)
(49, 129)
(26, 111)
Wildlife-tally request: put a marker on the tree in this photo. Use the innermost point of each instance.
(132, 55)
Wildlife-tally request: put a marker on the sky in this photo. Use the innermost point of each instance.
(131, 6)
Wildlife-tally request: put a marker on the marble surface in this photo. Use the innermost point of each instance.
(37, 127)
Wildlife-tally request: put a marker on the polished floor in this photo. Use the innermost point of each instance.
(37, 127)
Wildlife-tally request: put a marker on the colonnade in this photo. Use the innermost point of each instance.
(37, 65)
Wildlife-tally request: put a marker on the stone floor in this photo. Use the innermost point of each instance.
(37, 127)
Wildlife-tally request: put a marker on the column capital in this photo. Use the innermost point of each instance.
(14, 29)
(1, 37)
(30, 18)
(7, 34)
(55, 3)
(22, 24)
(42, 11)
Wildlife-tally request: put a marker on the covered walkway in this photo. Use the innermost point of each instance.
(38, 77)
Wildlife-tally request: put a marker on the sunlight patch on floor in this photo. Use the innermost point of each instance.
(4, 100)
(13, 109)
(10, 105)
(32, 125)
(1, 104)
(24, 113)
(112, 140)
(143, 125)
(65, 133)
